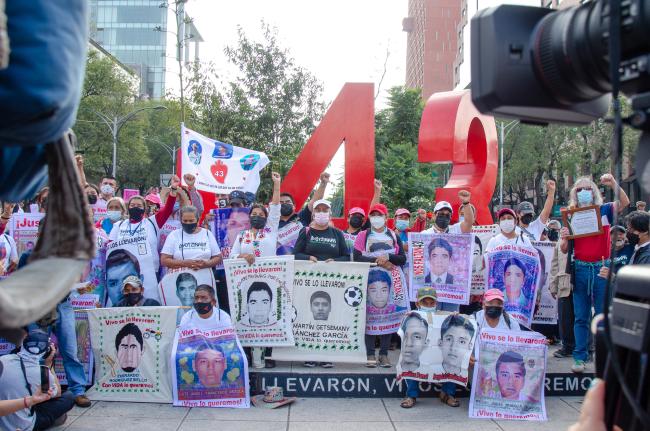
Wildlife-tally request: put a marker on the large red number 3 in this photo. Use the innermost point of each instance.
(351, 118)
(453, 131)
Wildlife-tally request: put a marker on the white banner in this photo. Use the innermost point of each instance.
(219, 167)
(260, 300)
(509, 376)
(132, 347)
(436, 347)
(546, 311)
(330, 322)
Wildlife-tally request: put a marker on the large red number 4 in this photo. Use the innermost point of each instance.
(351, 119)
(453, 131)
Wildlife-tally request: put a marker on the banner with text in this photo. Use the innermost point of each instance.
(218, 167)
(546, 310)
(514, 270)
(442, 261)
(130, 256)
(24, 229)
(436, 347)
(482, 234)
(132, 347)
(387, 300)
(287, 237)
(330, 313)
(509, 376)
(260, 300)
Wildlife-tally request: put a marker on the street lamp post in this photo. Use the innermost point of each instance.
(505, 130)
(115, 125)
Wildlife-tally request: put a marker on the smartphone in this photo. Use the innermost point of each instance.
(45, 379)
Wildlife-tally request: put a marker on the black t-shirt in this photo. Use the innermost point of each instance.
(322, 244)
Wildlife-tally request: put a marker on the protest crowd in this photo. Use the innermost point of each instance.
(252, 283)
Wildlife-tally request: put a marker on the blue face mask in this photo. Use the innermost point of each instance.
(428, 309)
(401, 224)
(585, 197)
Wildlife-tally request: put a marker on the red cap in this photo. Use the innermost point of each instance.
(357, 210)
(401, 211)
(503, 211)
(379, 208)
(491, 294)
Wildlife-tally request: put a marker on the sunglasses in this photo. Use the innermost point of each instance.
(579, 189)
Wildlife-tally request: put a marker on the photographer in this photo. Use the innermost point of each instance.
(20, 377)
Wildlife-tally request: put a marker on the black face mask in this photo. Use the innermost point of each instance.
(442, 221)
(356, 221)
(526, 219)
(632, 238)
(203, 307)
(286, 210)
(258, 222)
(92, 199)
(189, 227)
(493, 311)
(136, 213)
(133, 298)
(553, 235)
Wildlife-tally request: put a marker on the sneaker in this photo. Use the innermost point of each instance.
(562, 353)
(371, 361)
(269, 363)
(309, 364)
(578, 366)
(326, 365)
(82, 401)
(384, 362)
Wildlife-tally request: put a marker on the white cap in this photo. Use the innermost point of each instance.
(442, 204)
(322, 202)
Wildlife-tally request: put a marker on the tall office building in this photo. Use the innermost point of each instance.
(434, 44)
(138, 33)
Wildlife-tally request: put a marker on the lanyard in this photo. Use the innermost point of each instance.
(133, 232)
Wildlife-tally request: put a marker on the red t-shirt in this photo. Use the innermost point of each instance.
(595, 248)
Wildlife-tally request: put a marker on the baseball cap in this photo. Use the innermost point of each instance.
(504, 211)
(357, 210)
(554, 224)
(619, 228)
(133, 280)
(322, 202)
(443, 204)
(381, 208)
(153, 198)
(525, 208)
(402, 211)
(491, 294)
(237, 197)
(427, 292)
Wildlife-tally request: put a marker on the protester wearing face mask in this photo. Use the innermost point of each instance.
(528, 225)
(402, 218)
(115, 212)
(507, 220)
(442, 213)
(108, 190)
(191, 246)
(319, 240)
(288, 207)
(553, 227)
(624, 251)
(262, 238)
(20, 378)
(493, 315)
(205, 314)
(561, 288)
(590, 254)
(382, 246)
(638, 235)
(133, 293)
(138, 225)
(153, 204)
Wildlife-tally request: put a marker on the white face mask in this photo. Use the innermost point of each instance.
(377, 222)
(114, 215)
(107, 189)
(322, 218)
(507, 226)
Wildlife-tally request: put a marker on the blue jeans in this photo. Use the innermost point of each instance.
(66, 332)
(589, 290)
(413, 388)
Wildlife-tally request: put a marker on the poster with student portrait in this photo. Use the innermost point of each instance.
(168, 227)
(442, 261)
(129, 256)
(177, 287)
(514, 270)
(260, 300)
(387, 300)
(95, 272)
(6, 347)
(287, 237)
(330, 313)
(436, 348)
(219, 167)
(209, 368)
(132, 347)
(228, 223)
(509, 375)
(546, 309)
(482, 234)
(24, 230)
(82, 329)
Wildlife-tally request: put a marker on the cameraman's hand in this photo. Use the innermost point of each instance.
(49, 360)
(592, 413)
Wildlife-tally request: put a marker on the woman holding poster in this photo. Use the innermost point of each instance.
(507, 220)
(387, 301)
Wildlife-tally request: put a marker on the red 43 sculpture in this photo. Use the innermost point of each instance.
(451, 131)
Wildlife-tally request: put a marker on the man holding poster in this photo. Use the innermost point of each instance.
(509, 376)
